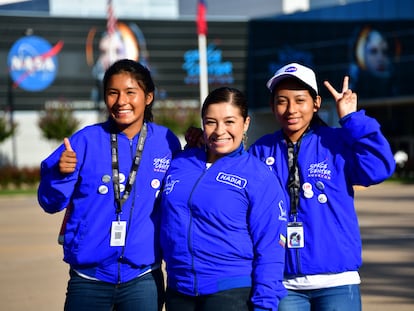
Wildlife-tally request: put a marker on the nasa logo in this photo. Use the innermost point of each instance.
(32, 63)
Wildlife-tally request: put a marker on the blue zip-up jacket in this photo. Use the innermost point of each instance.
(90, 193)
(223, 227)
(331, 161)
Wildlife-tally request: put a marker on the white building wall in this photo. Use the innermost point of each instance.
(122, 8)
(28, 148)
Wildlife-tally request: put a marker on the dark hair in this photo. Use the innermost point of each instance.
(228, 95)
(140, 73)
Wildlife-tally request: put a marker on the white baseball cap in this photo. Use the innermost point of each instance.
(300, 72)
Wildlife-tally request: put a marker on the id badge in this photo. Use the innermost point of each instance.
(295, 235)
(118, 233)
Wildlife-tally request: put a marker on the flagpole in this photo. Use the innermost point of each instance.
(202, 52)
(202, 49)
(111, 31)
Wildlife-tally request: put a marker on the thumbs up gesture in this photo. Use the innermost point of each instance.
(67, 161)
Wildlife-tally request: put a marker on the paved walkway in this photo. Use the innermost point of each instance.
(386, 214)
(33, 276)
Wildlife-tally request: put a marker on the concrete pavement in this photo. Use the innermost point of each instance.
(33, 276)
(386, 214)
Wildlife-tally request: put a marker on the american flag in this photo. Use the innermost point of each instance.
(111, 19)
(201, 17)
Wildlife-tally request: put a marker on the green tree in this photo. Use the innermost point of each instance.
(58, 122)
(6, 129)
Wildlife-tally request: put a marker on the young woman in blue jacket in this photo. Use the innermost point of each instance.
(108, 176)
(318, 167)
(223, 220)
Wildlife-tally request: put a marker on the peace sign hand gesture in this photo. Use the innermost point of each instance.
(346, 102)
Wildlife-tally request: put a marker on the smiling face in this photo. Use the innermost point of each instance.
(294, 107)
(224, 127)
(126, 101)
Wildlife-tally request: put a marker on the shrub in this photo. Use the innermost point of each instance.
(177, 119)
(14, 177)
(58, 122)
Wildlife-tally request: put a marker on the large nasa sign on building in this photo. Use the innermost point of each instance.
(33, 63)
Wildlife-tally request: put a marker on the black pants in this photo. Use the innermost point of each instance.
(237, 299)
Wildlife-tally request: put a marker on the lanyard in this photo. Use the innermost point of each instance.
(293, 180)
(132, 174)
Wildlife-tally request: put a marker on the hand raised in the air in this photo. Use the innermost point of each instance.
(67, 161)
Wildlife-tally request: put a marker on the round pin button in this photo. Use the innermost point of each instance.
(322, 198)
(308, 194)
(320, 185)
(121, 187)
(155, 183)
(106, 178)
(103, 189)
(307, 187)
(121, 177)
(270, 160)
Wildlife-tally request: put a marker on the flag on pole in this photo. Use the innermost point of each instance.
(201, 17)
(111, 44)
(202, 48)
(111, 19)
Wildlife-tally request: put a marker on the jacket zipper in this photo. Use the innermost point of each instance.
(190, 248)
(130, 217)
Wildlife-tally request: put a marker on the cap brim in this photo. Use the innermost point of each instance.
(276, 79)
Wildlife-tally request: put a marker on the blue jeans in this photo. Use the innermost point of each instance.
(236, 299)
(145, 293)
(340, 298)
